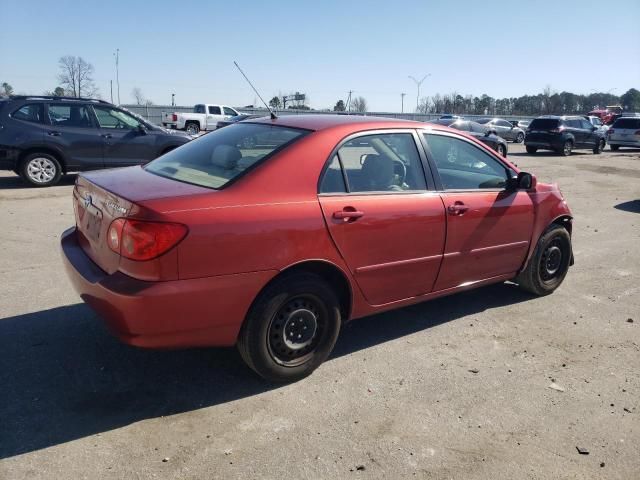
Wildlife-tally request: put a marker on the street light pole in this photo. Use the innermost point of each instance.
(418, 83)
(117, 55)
(402, 97)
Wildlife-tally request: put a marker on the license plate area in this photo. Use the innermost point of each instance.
(92, 220)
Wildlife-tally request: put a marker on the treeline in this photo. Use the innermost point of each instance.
(545, 103)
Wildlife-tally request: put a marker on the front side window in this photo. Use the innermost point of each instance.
(112, 118)
(462, 166)
(219, 157)
(214, 110)
(503, 123)
(477, 128)
(30, 113)
(69, 116)
(229, 111)
(387, 162)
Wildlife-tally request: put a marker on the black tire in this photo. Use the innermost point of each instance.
(599, 147)
(192, 128)
(549, 263)
(40, 170)
(614, 148)
(531, 150)
(291, 305)
(520, 138)
(566, 149)
(501, 149)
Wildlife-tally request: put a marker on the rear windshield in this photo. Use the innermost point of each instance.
(627, 123)
(219, 157)
(544, 124)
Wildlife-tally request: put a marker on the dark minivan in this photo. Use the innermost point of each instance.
(42, 137)
(563, 134)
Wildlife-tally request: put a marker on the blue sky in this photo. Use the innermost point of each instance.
(501, 48)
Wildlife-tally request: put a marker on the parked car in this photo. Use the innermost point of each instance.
(204, 117)
(42, 137)
(237, 118)
(273, 249)
(504, 128)
(485, 134)
(448, 116)
(563, 135)
(625, 132)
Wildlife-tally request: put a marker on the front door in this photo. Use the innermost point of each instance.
(124, 142)
(388, 228)
(214, 115)
(488, 228)
(69, 127)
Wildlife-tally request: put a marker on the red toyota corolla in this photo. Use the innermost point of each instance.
(270, 234)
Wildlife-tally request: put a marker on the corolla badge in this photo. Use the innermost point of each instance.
(87, 201)
(115, 207)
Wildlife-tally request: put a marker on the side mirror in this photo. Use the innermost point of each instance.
(524, 181)
(141, 129)
(594, 128)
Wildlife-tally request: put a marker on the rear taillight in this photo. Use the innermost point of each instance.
(557, 130)
(141, 240)
(174, 117)
(610, 131)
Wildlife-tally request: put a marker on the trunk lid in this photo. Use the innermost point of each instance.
(101, 197)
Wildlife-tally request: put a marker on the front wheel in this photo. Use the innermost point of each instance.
(599, 147)
(531, 150)
(520, 137)
(41, 170)
(291, 328)
(549, 263)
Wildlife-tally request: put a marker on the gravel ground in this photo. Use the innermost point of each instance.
(455, 388)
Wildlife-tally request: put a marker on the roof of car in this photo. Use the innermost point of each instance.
(57, 98)
(321, 122)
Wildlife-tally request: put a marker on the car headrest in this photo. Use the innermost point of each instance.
(378, 169)
(225, 156)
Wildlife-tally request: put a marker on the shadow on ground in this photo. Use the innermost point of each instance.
(630, 206)
(14, 181)
(64, 377)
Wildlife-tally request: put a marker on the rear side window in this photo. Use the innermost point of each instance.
(213, 110)
(199, 109)
(33, 112)
(219, 157)
(544, 124)
(69, 116)
(627, 123)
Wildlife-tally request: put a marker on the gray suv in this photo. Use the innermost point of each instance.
(42, 137)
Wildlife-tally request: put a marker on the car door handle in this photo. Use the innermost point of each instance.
(348, 214)
(458, 208)
(54, 134)
(106, 135)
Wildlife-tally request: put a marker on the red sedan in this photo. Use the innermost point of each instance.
(270, 234)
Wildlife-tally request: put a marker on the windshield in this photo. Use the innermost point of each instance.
(219, 157)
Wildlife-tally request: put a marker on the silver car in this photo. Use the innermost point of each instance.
(504, 129)
(625, 132)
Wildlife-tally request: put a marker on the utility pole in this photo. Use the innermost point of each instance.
(418, 83)
(402, 107)
(173, 99)
(111, 84)
(117, 55)
(349, 101)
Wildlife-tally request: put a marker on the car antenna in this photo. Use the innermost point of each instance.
(273, 115)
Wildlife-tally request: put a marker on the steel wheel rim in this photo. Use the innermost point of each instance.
(41, 170)
(296, 330)
(191, 129)
(520, 138)
(567, 148)
(501, 150)
(601, 145)
(551, 261)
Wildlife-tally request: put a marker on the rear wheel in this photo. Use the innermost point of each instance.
(566, 148)
(192, 128)
(291, 328)
(41, 170)
(520, 137)
(599, 147)
(549, 263)
(531, 149)
(614, 148)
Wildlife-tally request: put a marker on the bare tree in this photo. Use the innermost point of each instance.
(76, 75)
(6, 89)
(359, 104)
(137, 94)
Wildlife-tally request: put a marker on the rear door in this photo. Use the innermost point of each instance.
(504, 129)
(69, 127)
(577, 130)
(386, 224)
(123, 143)
(488, 228)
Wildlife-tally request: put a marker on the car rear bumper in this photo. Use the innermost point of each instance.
(182, 313)
(543, 141)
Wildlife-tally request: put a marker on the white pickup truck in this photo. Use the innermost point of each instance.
(204, 117)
